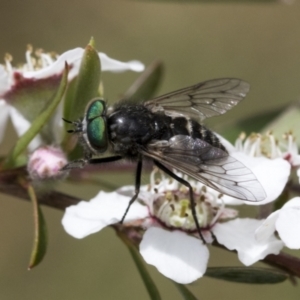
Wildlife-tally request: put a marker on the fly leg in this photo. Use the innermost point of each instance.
(80, 163)
(192, 200)
(102, 160)
(137, 187)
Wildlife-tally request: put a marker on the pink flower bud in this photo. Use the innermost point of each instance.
(46, 163)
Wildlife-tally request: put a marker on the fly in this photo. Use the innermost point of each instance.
(167, 129)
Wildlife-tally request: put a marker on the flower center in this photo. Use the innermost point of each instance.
(35, 60)
(173, 210)
(266, 145)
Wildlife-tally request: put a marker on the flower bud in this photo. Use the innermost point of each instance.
(46, 162)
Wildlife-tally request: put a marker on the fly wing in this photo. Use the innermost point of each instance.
(209, 165)
(203, 100)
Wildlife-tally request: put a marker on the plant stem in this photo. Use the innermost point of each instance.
(10, 185)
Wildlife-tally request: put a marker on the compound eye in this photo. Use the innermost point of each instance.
(95, 109)
(97, 134)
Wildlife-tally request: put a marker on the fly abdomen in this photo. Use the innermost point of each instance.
(184, 126)
(166, 127)
(181, 126)
(201, 132)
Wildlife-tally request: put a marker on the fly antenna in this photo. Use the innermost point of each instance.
(77, 126)
(67, 121)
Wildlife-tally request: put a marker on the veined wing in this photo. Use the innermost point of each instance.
(209, 165)
(203, 100)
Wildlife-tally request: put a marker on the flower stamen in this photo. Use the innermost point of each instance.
(172, 206)
(30, 61)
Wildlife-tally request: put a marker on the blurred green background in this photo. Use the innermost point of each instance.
(259, 43)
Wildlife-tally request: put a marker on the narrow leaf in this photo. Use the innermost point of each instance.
(85, 87)
(247, 275)
(38, 123)
(251, 124)
(146, 84)
(40, 232)
(185, 292)
(92, 42)
(81, 90)
(148, 282)
(287, 121)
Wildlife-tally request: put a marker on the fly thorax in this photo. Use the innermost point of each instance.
(94, 127)
(130, 127)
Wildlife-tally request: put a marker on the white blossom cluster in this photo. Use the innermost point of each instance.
(170, 242)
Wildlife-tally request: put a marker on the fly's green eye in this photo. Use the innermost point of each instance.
(96, 125)
(95, 109)
(97, 134)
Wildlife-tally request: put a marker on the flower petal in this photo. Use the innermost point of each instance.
(175, 254)
(73, 58)
(145, 196)
(288, 226)
(298, 174)
(109, 64)
(86, 218)
(228, 200)
(239, 235)
(273, 174)
(128, 190)
(294, 202)
(228, 146)
(21, 125)
(267, 228)
(4, 80)
(286, 221)
(4, 113)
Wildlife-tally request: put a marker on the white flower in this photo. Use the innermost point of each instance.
(291, 153)
(40, 77)
(286, 221)
(105, 209)
(266, 161)
(20, 124)
(171, 242)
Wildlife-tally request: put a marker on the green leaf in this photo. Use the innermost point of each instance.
(92, 42)
(287, 121)
(148, 282)
(85, 87)
(146, 84)
(247, 275)
(185, 293)
(40, 232)
(279, 121)
(38, 123)
(254, 123)
(81, 90)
